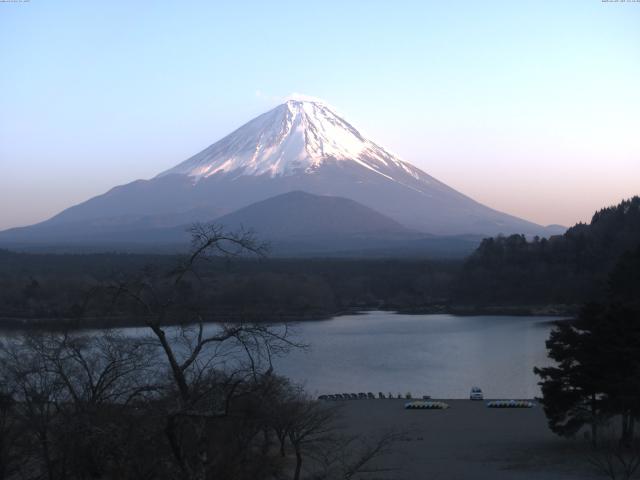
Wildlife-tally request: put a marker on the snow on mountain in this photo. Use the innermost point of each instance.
(300, 145)
(295, 137)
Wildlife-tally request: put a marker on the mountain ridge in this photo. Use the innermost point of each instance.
(301, 145)
(294, 224)
(298, 213)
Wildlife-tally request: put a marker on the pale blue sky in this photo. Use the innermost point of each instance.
(529, 107)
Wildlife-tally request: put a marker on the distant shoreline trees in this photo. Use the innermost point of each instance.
(568, 269)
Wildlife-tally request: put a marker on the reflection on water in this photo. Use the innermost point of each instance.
(439, 355)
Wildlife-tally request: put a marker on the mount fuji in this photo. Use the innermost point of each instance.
(301, 145)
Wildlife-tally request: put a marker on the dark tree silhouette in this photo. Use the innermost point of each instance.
(568, 269)
(597, 360)
(573, 391)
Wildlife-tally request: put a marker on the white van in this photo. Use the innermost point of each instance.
(476, 394)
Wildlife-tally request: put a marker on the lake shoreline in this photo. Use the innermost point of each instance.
(440, 355)
(83, 323)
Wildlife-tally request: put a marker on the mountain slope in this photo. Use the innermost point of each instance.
(299, 145)
(299, 214)
(294, 224)
(301, 224)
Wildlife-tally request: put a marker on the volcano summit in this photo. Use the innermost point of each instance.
(301, 145)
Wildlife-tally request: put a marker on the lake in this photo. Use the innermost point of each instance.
(438, 355)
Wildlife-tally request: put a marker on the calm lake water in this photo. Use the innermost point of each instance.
(438, 355)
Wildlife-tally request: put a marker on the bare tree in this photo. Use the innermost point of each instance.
(208, 366)
(192, 399)
(284, 400)
(68, 392)
(311, 424)
(9, 434)
(616, 459)
(39, 396)
(350, 456)
(315, 434)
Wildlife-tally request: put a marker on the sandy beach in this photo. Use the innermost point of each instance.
(468, 441)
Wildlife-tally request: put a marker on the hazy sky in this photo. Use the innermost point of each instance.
(531, 107)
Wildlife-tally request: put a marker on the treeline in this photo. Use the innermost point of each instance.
(66, 287)
(504, 275)
(564, 269)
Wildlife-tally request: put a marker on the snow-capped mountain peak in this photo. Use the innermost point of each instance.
(301, 97)
(301, 145)
(297, 136)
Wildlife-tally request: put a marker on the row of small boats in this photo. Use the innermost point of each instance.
(356, 396)
(434, 405)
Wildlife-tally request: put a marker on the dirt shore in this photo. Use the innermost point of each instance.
(468, 441)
